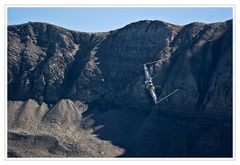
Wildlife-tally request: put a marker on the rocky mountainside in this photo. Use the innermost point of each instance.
(81, 94)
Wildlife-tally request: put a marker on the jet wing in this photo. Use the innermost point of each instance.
(147, 74)
(166, 96)
(153, 94)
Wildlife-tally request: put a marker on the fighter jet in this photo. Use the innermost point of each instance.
(151, 87)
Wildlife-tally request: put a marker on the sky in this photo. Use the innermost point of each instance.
(97, 19)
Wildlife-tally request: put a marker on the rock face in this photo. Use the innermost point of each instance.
(87, 84)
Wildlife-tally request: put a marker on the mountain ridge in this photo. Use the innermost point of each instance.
(88, 87)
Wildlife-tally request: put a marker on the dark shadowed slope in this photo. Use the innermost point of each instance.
(84, 91)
